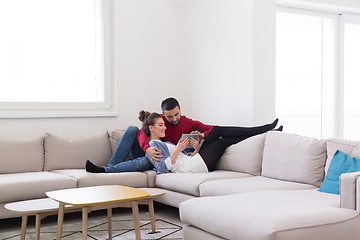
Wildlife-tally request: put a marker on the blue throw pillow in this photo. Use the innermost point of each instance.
(340, 163)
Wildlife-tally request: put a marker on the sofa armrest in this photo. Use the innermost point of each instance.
(349, 190)
(151, 177)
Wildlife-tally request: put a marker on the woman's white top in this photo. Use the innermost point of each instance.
(185, 163)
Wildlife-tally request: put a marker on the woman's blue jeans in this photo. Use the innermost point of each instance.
(128, 145)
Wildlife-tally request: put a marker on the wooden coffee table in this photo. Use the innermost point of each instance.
(95, 198)
(44, 207)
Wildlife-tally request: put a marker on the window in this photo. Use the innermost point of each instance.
(316, 69)
(55, 58)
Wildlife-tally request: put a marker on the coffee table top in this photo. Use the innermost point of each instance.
(97, 195)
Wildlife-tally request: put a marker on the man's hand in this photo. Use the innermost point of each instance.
(201, 135)
(154, 153)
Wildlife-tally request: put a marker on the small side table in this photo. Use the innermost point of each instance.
(40, 208)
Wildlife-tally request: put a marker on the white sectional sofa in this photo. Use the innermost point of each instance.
(282, 202)
(264, 187)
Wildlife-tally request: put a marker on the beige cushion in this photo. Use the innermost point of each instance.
(24, 186)
(351, 148)
(250, 184)
(188, 183)
(85, 179)
(19, 155)
(270, 214)
(114, 136)
(294, 158)
(69, 152)
(245, 156)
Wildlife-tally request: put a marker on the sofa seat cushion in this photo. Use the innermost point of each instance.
(85, 179)
(252, 184)
(188, 183)
(269, 215)
(23, 186)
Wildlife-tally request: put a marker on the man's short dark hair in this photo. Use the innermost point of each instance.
(169, 104)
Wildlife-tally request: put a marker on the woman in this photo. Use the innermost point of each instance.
(203, 159)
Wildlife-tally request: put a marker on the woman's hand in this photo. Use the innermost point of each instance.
(196, 145)
(182, 144)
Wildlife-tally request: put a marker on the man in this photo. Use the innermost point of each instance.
(176, 125)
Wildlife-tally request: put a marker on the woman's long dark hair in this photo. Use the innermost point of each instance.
(148, 119)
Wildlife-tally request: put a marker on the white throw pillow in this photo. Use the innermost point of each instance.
(71, 152)
(245, 156)
(294, 158)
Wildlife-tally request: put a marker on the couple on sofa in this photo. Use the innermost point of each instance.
(157, 145)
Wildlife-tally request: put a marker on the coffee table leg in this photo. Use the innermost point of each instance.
(23, 226)
(37, 226)
(85, 211)
(135, 212)
(60, 221)
(152, 214)
(109, 213)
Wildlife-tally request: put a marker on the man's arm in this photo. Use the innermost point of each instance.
(199, 126)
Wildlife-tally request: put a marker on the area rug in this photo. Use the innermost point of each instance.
(168, 227)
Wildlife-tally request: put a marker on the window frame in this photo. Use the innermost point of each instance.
(78, 109)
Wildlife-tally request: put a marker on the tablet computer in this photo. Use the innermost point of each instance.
(195, 136)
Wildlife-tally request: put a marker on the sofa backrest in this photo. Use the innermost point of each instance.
(245, 156)
(349, 147)
(71, 152)
(294, 158)
(21, 154)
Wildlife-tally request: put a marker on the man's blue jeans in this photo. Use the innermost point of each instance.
(128, 144)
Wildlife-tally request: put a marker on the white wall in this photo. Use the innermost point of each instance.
(264, 60)
(216, 56)
(199, 51)
(217, 59)
(227, 51)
